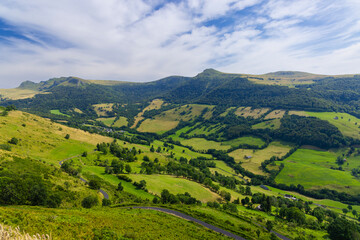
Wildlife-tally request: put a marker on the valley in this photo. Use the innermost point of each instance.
(223, 148)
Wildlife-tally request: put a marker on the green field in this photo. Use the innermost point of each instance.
(128, 187)
(84, 223)
(253, 163)
(156, 183)
(346, 123)
(57, 112)
(40, 138)
(122, 121)
(107, 121)
(169, 119)
(203, 144)
(180, 151)
(270, 124)
(245, 140)
(311, 169)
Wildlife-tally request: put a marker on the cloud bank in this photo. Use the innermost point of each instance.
(143, 40)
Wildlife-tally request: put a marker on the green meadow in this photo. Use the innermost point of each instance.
(204, 144)
(245, 140)
(57, 112)
(346, 123)
(311, 168)
(270, 124)
(156, 183)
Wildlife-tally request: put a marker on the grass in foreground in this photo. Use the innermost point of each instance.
(115, 222)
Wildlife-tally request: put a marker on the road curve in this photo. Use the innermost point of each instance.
(189, 218)
(106, 196)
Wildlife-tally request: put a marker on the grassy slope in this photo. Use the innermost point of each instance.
(107, 121)
(203, 144)
(170, 119)
(258, 156)
(42, 139)
(156, 183)
(311, 169)
(271, 124)
(244, 140)
(346, 123)
(81, 224)
(57, 112)
(122, 121)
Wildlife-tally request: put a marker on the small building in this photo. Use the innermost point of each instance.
(248, 157)
(264, 187)
(336, 118)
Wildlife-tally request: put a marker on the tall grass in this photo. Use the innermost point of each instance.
(9, 233)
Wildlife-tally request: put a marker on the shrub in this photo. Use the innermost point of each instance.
(106, 202)
(14, 141)
(6, 147)
(67, 136)
(90, 201)
(94, 184)
(124, 177)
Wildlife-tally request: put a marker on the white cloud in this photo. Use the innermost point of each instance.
(143, 40)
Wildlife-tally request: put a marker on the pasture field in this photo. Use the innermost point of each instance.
(244, 140)
(249, 112)
(122, 121)
(57, 112)
(154, 104)
(157, 126)
(225, 170)
(107, 121)
(346, 123)
(299, 113)
(156, 183)
(311, 169)
(253, 164)
(102, 109)
(206, 130)
(176, 136)
(40, 138)
(18, 93)
(180, 151)
(224, 114)
(78, 110)
(169, 119)
(270, 124)
(204, 144)
(275, 114)
(113, 180)
(118, 223)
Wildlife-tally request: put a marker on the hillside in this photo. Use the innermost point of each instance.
(227, 149)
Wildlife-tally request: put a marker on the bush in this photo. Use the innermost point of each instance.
(106, 202)
(14, 141)
(94, 184)
(124, 177)
(67, 136)
(90, 201)
(6, 147)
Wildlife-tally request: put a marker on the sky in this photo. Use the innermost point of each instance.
(145, 40)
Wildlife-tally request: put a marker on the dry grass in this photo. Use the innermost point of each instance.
(249, 112)
(275, 114)
(78, 110)
(299, 113)
(9, 233)
(18, 93)
(157, 126)
(101, 109)
(155, 104)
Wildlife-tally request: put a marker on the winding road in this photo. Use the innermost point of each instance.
(189, 218)
(106, 196)
(182, 215)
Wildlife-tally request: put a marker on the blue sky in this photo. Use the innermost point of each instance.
(144, 40)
